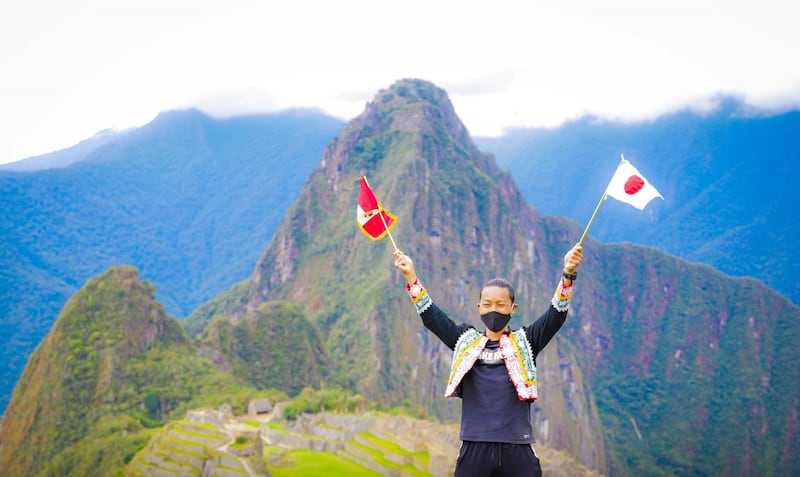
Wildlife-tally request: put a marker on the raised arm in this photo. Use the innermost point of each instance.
(543, 329)
(432, 316)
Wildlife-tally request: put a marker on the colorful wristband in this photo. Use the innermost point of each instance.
(562, 296)
(419, 296)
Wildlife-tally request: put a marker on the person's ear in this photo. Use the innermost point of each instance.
(514, 307)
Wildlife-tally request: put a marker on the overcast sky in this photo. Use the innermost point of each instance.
(69, 69)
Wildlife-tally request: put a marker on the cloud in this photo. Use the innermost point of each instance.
(487, 84)
(239, 101)
(777, 102)
(86, 67)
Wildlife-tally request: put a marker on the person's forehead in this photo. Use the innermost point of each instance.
(495, 293)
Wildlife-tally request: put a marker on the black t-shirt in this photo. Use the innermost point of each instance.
(491, 410)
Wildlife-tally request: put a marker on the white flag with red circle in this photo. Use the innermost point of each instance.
(629, 185)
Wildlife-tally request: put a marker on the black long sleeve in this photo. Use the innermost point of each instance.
(544, 328)
(442, 326)
(539, 333)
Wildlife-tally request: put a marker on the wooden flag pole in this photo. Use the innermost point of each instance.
(586, 230)
(602, 199)
(386, 226)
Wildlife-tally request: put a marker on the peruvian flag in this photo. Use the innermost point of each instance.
(373, 219)
(629, 185)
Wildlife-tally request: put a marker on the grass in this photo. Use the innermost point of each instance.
(163, 449)
(306, 463)
(280, 427)
(182, 472)
(380, 458)
(169, 439)
(202, 425)
(231, 469)
(276, 426)
(394, 447)
(198, 435)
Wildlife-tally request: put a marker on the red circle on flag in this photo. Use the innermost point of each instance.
(633, 185)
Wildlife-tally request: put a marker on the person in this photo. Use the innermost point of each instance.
(494, 371)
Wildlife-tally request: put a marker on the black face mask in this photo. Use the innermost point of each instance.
(495, 321)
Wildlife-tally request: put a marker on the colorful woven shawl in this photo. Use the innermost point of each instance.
(516, 353)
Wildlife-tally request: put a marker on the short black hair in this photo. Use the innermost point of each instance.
(501, 283)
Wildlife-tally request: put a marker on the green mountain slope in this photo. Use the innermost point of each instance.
(690, 369)
(113, 366)
(273, 346)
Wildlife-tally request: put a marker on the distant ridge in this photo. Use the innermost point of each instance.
(728, 179)
(64, 157)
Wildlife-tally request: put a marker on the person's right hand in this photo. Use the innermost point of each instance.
(406, 266)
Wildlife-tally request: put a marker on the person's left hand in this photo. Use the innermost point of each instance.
(573, 258)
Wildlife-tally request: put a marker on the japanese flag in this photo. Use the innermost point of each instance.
(629, 185)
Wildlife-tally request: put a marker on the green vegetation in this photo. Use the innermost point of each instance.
(114, 367)
(394, 447)
(378, 457)
(242, 442)
(314, 401)
(303, 463)
(694, 361)
(273, 347)
(276, 425)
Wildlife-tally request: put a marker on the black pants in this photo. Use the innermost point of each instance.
(497, 459)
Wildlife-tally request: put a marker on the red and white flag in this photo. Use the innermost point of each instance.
(373, 219)
(629, 185)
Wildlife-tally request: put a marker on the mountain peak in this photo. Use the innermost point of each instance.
(81, 364)
(130, 317)
(414, 105)
(460, 218)
(180, 115)
(409, 130)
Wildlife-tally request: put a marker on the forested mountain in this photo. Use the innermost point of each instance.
(729, 180)
(658, 358)
(114, 366)
(187, 199)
